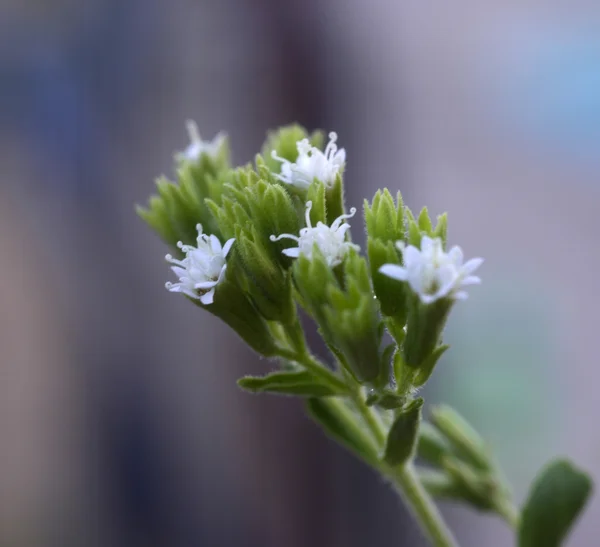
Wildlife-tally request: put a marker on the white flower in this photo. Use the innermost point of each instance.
(312, 164)
(197, 146)
(433, 273)
(331, 240)
(202, 269)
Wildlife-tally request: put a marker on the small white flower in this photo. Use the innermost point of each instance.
(202, 269)
(197, 146)
(312, 164)
(331, 240)
(433, 273)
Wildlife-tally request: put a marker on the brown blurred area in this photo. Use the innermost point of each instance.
(120, 420)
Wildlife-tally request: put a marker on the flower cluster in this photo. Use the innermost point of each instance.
(433, 273)
(202, 269)
(312, 164)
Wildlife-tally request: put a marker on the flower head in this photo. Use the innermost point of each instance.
(432, 273)
(197, 146)
(202, 269)
(330, 240)
(312, 163)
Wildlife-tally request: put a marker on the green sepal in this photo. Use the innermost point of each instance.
(424, 222)
(318, 211)
(425, 325)
(426, 368)
(234, 308)
(341, 425)
(402, 438)
(396, 329)
(390, 292)
(334, 198)
(384, 218)
(350, 317)
(432, 446)
(386, 399)
(414, 233)
(557, 497)
(466, 443)
(441, 229)
(298, 382)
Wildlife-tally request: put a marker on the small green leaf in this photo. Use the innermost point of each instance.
(339, 423)
(302, 383)
(557, 496)
(402, 437)
(427, 366)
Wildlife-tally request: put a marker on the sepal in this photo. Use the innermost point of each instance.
(292, 382)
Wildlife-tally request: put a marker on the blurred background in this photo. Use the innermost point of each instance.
(120, 420)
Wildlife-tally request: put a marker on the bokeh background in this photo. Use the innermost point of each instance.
(120, 421)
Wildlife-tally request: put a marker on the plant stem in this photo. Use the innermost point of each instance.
(406, 482)
(409, 487)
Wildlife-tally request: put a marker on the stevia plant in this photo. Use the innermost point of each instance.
(254, 245)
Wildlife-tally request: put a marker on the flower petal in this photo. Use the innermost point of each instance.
(394, 271)
(202, 285)
(208, 298)
(471, 265)
(227, 246)
(215, 244)
(292, 252)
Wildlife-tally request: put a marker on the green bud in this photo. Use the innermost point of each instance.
(269, 285)
(402, 437)
(386, 399)
(432, 446)
(318, 211)
(297, 382)
(180, 206)
(425, 222)
(425, 325)
(384, 219)
(352, 320)
(234, 308)
(467, 444)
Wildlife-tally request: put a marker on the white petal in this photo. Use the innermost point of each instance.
(394, 271)
(461, 295)
(426, 244)
(215, 244)
(222, 273)
(208, 297)
(202, 285)
(471, 265)
(293, 252)
(227, 246)
(471, 280)
(411, 255)
(428, 298)
(456, 256)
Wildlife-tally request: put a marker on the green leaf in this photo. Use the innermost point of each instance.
(557, 496)
(425, 222)
(340, 424)
(302, 383)
(402, 437)
(466, 443)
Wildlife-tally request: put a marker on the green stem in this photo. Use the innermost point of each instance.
(407, 484)
(409, 487)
